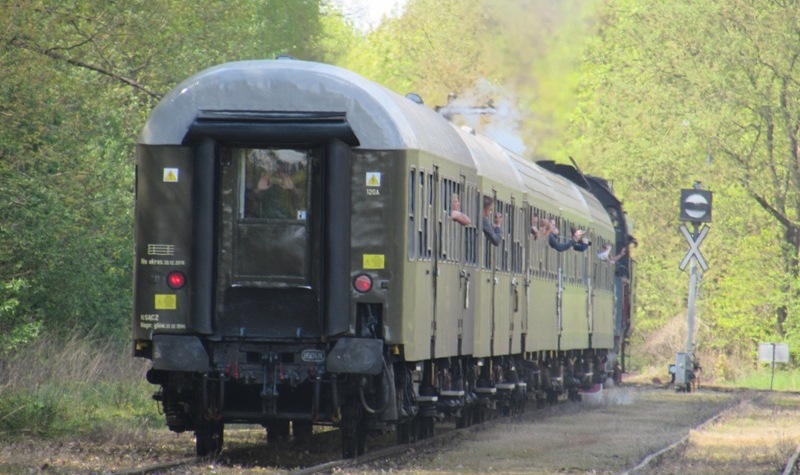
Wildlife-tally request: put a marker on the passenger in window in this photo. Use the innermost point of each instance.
(456, 214)
(494, 232)
(605, 254)
(551, 230)
(537, 229)
(579, 240)
(275, 196)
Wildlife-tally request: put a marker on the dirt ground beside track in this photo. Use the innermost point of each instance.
(616, 432)
(605, 435)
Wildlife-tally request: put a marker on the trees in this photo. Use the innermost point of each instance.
(667, 93)
(78, 80)
(521, 56)
(708, 90)
(434, 49)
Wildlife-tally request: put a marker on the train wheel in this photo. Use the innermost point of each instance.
(277, 430)
(574, 396)
(481, 413)
(465, 419)
(427, 427)
(209, 438)
(552, 397)
(461, 420)
(302, 430)
(407, 432)
(354, 432)
(506, 409)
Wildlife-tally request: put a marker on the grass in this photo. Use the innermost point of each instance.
(77, 386)
(784, 380)
(82, 384)
(730, 374)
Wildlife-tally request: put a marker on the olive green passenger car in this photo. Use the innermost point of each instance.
(298, 262)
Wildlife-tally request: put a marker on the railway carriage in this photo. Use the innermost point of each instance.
(296, 263)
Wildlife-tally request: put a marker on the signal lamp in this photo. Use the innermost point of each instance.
(363, 283)
(176, 279)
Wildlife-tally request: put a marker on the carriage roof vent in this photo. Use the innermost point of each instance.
(414, 97)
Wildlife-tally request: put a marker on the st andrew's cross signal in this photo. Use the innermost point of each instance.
(696, 208)
(694, 247)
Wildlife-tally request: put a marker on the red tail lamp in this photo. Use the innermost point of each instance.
(363, 283)
(176, 279)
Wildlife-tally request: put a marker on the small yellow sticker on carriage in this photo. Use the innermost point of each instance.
(171, 175)
(166, 302)
(374, 261)
(373, 179)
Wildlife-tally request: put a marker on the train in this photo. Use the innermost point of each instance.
(298, 262)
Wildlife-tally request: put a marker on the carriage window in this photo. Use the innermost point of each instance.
(426, 194)
(454, 231)
(520, 261)
(506, 244)
(269, 210)
(471, 241)
(412, 211)
(275, 183)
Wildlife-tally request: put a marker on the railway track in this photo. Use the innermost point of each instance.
(161, 467)
(550, 424)
(385, 452)
(791, 464)
(654, 458)
(381, 448)
(652, 461)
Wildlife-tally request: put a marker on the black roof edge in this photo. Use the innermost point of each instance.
(598, 186)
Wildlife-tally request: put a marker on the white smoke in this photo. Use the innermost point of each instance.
(366, 15)
(490, 110)
(609, 395)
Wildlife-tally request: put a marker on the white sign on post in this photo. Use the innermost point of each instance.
(773, 352)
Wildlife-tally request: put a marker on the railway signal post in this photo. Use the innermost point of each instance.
(695, 207)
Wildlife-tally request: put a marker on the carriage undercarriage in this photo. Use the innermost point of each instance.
(407, 398)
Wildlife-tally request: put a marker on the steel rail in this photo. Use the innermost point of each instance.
(655, 458)
(156, 468)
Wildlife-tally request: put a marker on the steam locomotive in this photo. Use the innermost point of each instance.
(297, 263)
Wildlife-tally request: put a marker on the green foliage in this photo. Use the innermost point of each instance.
(523, 56)
(537, 48)
(16, 329)
(761, 378)
(26, 413)
(57, 386)
(79, 79)
(434, 49)
(677, 92)
(652, 95)
(77, 408)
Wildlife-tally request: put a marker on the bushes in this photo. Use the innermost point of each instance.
(26, 414)
(16, 329)
(53, 387)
